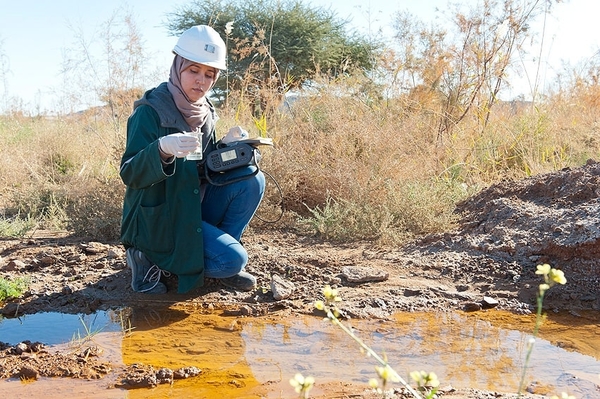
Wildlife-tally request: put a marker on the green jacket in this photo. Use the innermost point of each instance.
(162, 214)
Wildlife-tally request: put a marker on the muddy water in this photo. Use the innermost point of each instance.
(255, 358)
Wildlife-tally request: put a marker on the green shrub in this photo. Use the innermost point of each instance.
(12, 289)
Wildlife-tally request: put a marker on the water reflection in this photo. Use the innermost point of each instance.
(239, 356)
(477, 350)
(256, 357)
(176, 338)
(57, 328)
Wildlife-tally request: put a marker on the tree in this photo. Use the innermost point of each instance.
(276, 44)
(115, 77)
(4, 70)
(467, 70)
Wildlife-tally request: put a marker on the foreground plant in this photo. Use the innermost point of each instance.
(385, 372)
(551, 278)
(16, 226)
(426, 382)
(12, 289)
(564, 395)
(78, 340)
(302, 385)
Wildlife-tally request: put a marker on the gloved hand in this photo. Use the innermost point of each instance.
(236, 133)
(178, 144)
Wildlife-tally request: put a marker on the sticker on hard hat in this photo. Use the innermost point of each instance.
(209, 48)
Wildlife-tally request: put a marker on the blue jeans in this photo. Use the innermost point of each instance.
(226, 212)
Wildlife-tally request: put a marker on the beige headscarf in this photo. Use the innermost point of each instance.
(194, 113)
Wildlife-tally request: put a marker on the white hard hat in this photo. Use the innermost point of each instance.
(202, 44)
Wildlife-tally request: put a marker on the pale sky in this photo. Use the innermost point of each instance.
(34, 33)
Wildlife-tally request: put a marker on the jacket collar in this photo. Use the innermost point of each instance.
(161, 100)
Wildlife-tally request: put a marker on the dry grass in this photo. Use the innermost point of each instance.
(350, 167)
(62, 172)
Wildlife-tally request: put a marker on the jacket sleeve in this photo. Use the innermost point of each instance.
(141, 165)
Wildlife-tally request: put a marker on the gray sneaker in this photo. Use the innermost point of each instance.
(145, 276)
(242, 281)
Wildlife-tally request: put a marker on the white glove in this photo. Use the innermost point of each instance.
(236, 133)
(178, 144)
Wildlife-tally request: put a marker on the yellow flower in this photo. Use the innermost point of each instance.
(331, 294)
(543, 269)
(424, 379)
(297, 381)
(563, 395)
(373, 383)
(551, 277)
(319, 305)
(387, 373)
(302, 384)
(554, 275)
(432, 380)
(557, 276)
(416, 376)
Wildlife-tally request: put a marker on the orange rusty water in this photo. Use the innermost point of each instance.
(255, 358)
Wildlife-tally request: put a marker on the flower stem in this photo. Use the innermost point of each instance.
(538, 322)
(338, 323)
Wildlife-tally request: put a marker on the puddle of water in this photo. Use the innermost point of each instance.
(56, 328)
(255, 358)
(63, 332)
(487, 350)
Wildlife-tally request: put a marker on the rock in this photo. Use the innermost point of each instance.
(10, 310)
(67, 290)
(164, 376)
(472, 307)
(93, 247)
(75, 259)
(37, 347)
(28, 373)
(462, 287)
(357, 274)
(48, 260)
(114, 253)
(489, 302)
(14, 265)
(118, 265)
(98, 265)
(186, 372)
(20, 348)
(281, 288)
(138, 376)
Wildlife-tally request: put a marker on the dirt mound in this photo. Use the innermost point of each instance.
(513, 226)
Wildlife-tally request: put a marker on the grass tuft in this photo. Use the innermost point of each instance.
(10, 289)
